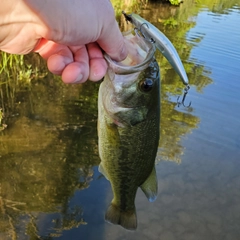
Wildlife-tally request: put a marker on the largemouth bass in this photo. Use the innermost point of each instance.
(128, 129)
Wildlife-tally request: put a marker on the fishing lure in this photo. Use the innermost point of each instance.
(163, 44)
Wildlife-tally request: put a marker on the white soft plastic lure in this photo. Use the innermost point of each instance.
(162, 43)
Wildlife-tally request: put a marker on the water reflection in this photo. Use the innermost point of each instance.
(49, 187)
(47, 153)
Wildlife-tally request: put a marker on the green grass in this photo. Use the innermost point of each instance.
(17, 72)
(14, 67)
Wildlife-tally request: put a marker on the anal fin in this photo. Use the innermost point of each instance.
(150, 186)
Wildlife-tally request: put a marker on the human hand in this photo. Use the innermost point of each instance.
(70, 35)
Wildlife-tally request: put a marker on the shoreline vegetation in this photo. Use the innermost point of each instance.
(16, 72)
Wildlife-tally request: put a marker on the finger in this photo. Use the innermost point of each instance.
(97, 63)
(112, 42)
(77, 71)
(58, 62)
(58, 56)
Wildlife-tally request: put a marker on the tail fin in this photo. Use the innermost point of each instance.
(126, 219)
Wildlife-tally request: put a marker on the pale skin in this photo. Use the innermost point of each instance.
(70, 34)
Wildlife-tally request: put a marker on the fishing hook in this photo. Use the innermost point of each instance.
(139, 31)
(151, 40)
(184, 96)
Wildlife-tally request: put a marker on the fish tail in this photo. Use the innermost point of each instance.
(127, 219)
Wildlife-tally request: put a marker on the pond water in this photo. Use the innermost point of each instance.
(50, 187)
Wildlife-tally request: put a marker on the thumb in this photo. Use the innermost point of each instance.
(112, 42)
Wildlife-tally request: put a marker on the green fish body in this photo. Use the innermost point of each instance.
(128, 130)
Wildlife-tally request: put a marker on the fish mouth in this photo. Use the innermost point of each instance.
(144, 45)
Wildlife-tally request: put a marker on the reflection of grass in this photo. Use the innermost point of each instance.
(172, 22)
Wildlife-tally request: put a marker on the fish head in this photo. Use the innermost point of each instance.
(132, 85)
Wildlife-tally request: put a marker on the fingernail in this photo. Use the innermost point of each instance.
(123, 53)
(79, 79)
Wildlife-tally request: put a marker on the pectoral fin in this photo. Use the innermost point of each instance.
(132, 116)
(150, 187)
(102, 171)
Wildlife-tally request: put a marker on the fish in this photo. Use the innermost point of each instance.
(128, 129)
(163, 44)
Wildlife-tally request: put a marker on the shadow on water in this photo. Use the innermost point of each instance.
(49, 184)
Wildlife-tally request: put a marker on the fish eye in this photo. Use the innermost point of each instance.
(146, 85)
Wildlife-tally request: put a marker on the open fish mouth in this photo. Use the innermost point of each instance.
(140, 55)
